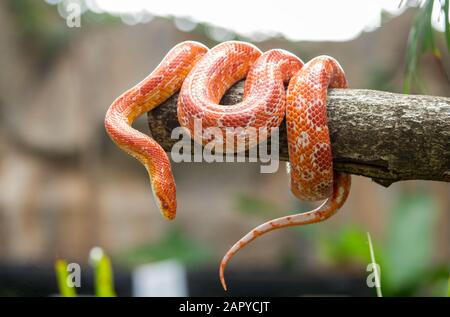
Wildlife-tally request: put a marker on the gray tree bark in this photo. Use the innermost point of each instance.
(385, 136)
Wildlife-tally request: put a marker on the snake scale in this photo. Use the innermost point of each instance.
(203, 76)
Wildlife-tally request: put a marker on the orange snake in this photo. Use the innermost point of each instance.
(204, 76)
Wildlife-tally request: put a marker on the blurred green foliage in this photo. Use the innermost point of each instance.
(175, 245)
(251, 205)
(44, 32)
(447, 25)
(41, 28)
(408, 250)
(405, 256)
(343, 245)
(381, 79)
(422, 40)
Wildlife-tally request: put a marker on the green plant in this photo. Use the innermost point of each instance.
(422, 40)
(375, 266)
(448, 287)
(62, 277)
(103, 275)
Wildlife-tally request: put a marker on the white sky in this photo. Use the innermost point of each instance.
(317, 20)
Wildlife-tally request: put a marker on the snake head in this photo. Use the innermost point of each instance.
(164, 191)
(167, 205)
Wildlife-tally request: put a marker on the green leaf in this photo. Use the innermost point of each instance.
(448, 287)
(104, 278)
(447, 23)
(420, 41)
(411, 59)
(375, 266)
(62, 276)
(428, 42)
(103, 274)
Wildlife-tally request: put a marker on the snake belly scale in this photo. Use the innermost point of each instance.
(203, 76)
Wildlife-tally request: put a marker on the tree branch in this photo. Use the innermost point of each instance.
(388, 137)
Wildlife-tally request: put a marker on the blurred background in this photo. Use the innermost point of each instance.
(65, 188)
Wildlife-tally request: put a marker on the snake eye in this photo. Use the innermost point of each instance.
(164, 205)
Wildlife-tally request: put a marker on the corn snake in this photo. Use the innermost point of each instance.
(203, 76)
